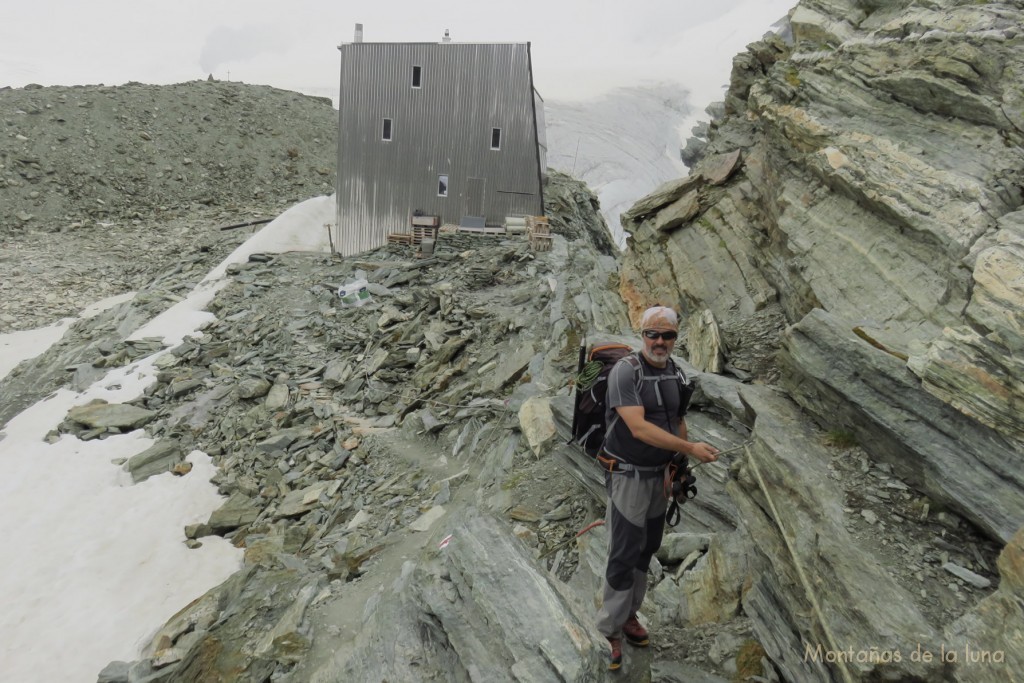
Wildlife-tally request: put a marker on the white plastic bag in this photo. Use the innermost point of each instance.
(354, 293)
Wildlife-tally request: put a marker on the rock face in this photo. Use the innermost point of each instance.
(870, 169)
(818, 569)
(977, 366)
(846, 383)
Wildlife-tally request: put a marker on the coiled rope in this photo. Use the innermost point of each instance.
(588, 375)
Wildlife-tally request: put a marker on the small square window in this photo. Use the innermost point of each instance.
(386, 130)
(442, 186)
(495, 138)
(417, 76)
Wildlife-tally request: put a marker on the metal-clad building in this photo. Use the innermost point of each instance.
(446, 129)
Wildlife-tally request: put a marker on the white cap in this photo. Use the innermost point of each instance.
(659, 318)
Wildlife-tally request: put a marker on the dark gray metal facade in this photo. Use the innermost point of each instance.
(444, 127)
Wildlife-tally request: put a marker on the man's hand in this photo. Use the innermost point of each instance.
(704, 452)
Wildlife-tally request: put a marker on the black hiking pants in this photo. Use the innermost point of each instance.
(636, 524)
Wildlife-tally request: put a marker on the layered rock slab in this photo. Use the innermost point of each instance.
(978, 367)
(814, 589)
(845, 383)
(479, 609)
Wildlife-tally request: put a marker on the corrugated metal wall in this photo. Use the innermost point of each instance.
(442, 128)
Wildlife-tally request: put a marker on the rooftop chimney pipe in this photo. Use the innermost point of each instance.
(359, 33)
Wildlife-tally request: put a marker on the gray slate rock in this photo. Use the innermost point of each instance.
(667, 671)
(238, 510)
(106, 415)
(159, 458)
(299, 502)
(277, 397)
(991, 625)
(208, 631)
(115, 672)
(253, 387)
(967, 575)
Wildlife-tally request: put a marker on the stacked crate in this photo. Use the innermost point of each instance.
(424, 227)
(539, 233)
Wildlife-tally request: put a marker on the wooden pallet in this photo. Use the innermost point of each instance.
(400, 238)
(540, 242)
(421, 232)
(539, 233)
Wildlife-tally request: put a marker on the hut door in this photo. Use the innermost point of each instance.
(475, 190)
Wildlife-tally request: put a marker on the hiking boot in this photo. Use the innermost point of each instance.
(636, 635)
(615, 659)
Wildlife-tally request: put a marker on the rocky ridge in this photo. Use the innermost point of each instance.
(74, 156)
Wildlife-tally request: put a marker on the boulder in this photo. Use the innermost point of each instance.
(676, 546)
(427, 519)
(814, 26)
(161, 457)
(338, 372)
(538, 423)
(277, 397)
(301, 501)
(665, 194)
(253, 387)
(718, 168)
(679, 212)
(510, 367)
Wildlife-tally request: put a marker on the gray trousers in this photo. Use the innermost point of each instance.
(636, 523)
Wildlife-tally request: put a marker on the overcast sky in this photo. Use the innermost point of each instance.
(580, 47)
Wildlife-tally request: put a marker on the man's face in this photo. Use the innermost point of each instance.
(659, 348)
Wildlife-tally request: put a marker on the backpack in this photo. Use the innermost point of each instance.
(589, 428)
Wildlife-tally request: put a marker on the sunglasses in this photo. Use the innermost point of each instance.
(654, 334)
